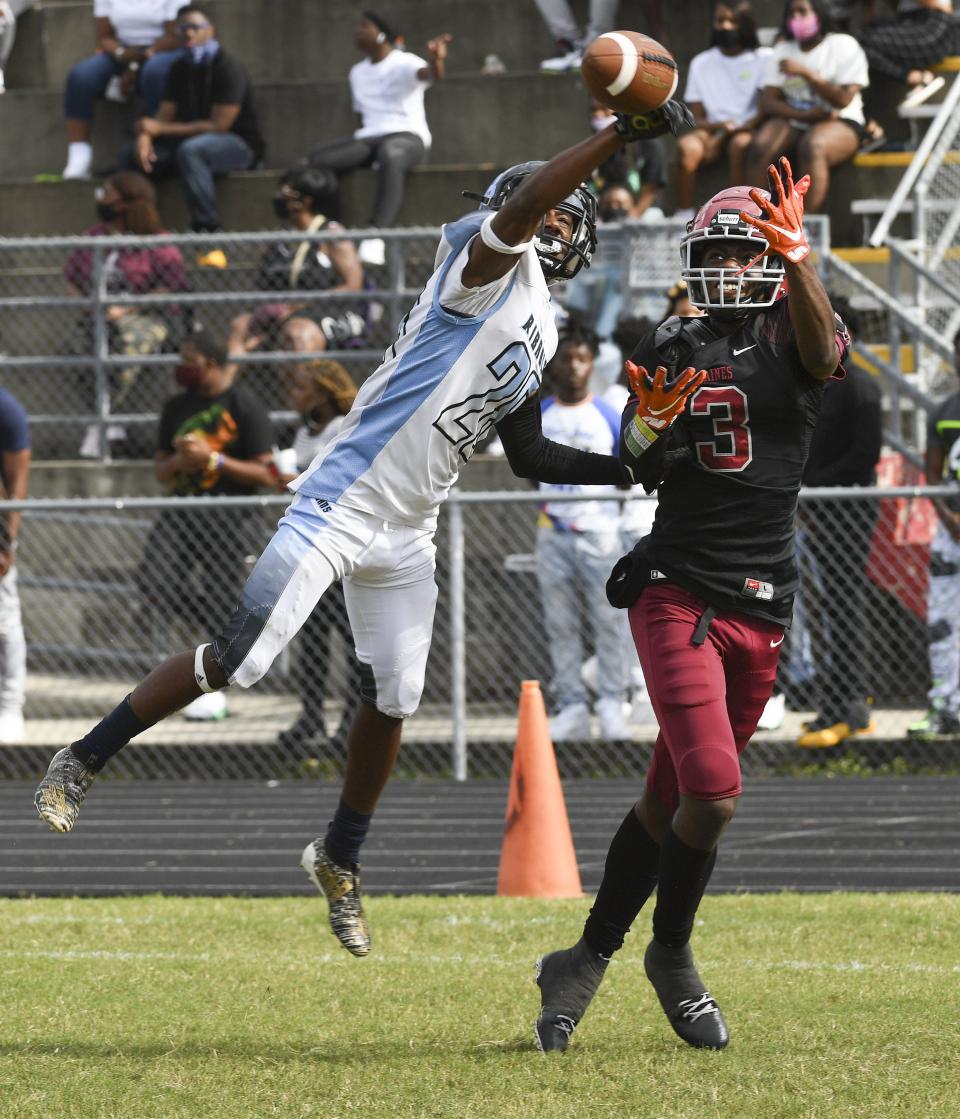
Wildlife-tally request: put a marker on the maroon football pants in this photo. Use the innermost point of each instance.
(708, 697)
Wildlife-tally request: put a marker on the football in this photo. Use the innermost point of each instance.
(629, 72)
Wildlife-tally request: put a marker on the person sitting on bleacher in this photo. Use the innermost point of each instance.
(127, 204)
(723, 87)
(903, 49)
(387, 90)
(306, 199)
(137, 44)
(811, 100)
(206, 124)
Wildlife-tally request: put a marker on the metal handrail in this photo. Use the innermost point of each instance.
(917, 165)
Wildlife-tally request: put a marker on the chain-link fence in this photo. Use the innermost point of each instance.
(104, 598)
(90, 326)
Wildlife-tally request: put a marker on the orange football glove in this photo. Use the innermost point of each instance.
(783, 224)
(658, 405)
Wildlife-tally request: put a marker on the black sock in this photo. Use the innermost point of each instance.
(110, 735)
(345, 834)
(629, 878)
(684, 874)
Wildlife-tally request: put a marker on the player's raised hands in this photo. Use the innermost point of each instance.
(437, 47)
(659, 404)
(673, 117)
(782, 213)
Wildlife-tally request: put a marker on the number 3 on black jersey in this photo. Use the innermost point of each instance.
(731, 448)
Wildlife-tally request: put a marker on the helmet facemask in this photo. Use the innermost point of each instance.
(561, 258)
(729, 292)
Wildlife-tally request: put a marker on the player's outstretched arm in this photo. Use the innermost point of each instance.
(517, 220)
(782, 224)
(532, 455)
(647, 418)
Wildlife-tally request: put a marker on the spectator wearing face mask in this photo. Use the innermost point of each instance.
(214, 439)
(642, 169)
(722, 92)
(812, 100)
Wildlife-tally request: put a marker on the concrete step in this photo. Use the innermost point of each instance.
(29, 209)
(303, 38)
(474, 119)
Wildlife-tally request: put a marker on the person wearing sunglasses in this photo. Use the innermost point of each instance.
(205, 125)
(136, 45)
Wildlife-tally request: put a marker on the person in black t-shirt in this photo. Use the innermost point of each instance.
(710, 589)
(206, 124)
(943, 594)
(214, 439)
(837, 534)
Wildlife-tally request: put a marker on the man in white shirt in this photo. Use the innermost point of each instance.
(723, 87)
(387, 90)
(578, 542)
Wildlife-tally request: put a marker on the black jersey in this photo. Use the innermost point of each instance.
(724, 526)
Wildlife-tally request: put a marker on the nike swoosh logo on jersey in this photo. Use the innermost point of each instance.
(737, 353)
(774, 644)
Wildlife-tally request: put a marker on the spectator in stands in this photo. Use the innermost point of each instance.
(642, 169)
(811, 102)
(943, 595)
(844, 451)
(722, 91)
(136, 45)
(306, 200)
(127, 204)
(577, 545)
(14, 473)
(903, 49)
(214, 439)
(387, 89)
(206, 124)
(570, 40)
(9, 10)
(322, 392)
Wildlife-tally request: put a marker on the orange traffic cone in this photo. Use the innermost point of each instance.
(538, 858)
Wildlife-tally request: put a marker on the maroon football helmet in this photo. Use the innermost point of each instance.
(728, 289)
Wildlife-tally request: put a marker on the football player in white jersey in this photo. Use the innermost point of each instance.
(469, 354)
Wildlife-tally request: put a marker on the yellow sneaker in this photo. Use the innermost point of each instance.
(821, 734)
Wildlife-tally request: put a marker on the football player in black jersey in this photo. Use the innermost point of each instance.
(710, 590)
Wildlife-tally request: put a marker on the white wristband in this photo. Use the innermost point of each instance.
(492, 241)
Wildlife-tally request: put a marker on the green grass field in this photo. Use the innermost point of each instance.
(152, 1008)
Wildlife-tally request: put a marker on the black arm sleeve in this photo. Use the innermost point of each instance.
(532, 455)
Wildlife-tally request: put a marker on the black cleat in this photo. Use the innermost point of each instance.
(690, 1009)
(568, 980)
(63, 789)
(341, 887)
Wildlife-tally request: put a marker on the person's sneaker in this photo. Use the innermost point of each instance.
(12, 728)
(934, 724)
(309, 726)
(922, 92)
(564, 63)
(827, 730)
(771, 718)
(568, 980)
(63, 789)
(690, 1009)
(571, 723)
(613, 726)
(207, 707)
(341, 887)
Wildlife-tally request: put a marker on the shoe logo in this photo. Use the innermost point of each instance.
(774, 644)
(737, 353)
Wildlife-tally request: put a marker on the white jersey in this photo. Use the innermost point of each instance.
(591, 425)
(448, 377)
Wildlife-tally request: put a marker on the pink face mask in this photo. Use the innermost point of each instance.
(803, 28)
